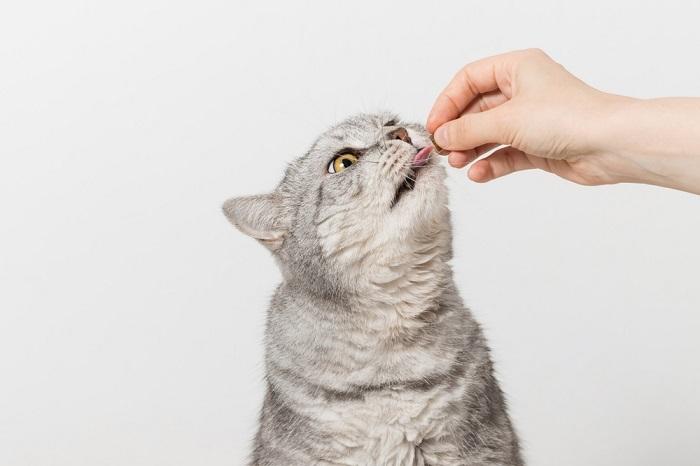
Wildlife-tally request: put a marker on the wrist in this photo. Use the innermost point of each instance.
(624, 142)
(654, 141)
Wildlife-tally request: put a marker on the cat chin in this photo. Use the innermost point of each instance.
(428, 196)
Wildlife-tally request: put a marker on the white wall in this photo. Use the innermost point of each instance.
(131, 313)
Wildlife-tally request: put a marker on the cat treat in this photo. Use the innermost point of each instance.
(438, 149)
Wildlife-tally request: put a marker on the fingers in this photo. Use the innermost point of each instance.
(462, 159)
(486, 102)
(475, 129)
(499, 164)
(480, 77)
(459, 159)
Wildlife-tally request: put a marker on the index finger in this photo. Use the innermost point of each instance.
(482, 76)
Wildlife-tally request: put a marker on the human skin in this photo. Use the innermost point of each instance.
(555, 122)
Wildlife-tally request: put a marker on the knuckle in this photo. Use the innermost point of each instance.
(464, 123)
(536, 52)
(455, 132)
(461, 129)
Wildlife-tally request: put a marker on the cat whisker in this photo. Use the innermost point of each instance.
(428, 158)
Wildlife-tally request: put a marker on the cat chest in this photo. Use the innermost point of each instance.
(391, 427)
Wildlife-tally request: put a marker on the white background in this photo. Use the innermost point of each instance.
(131, 312)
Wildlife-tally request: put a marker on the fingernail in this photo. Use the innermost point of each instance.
(441, 137)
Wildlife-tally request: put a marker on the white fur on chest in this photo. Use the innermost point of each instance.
(387, 428)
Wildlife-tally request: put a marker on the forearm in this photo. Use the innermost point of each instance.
(653, 141)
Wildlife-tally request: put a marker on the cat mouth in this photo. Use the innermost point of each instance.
(408, 184)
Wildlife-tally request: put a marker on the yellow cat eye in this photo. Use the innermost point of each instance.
(341, 162)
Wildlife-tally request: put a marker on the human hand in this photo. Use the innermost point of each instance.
(551, 120)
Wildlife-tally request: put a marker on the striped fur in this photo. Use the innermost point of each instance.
(371, 356)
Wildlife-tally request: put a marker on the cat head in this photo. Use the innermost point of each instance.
(369, 195)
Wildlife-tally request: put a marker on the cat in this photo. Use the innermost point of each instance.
(371, 357)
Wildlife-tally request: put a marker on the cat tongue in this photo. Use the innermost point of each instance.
(421, 157)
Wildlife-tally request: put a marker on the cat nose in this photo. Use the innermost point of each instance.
(399, 134)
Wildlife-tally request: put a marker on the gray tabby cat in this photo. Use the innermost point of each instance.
(371, 357)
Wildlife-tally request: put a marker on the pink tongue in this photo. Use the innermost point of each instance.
(421, 157)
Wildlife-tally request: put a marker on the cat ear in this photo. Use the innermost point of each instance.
(258, 217)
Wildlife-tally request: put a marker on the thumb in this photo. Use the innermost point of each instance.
(475, 129)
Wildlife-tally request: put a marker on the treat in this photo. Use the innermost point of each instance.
(438, 149)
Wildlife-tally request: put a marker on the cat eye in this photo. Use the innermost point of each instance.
(341, 162)
(390, 123)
